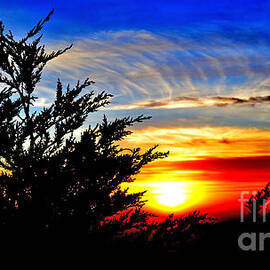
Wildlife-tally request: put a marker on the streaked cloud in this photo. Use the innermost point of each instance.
(213, 82)
(219, 164)
(202, 142)
(190, 102)
(138, 66)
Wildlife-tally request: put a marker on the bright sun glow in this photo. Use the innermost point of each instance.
(169, 197)
(172, 194)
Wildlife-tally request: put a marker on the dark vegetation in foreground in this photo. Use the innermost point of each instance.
(197, 234)
(61, 191)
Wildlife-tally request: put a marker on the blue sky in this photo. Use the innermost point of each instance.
(150, 15)
(160, 52)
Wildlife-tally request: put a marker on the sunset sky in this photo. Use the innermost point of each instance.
(199, 68)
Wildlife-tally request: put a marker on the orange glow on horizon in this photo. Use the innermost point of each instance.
(190, 143)
(211, 186)
(206, 170)
(168, 197)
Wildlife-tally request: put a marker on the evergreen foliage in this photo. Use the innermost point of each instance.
(52, 181)
(55, 184)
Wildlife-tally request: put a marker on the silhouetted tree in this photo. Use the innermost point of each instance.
(55, 184)
(257, 202)
(51, 181)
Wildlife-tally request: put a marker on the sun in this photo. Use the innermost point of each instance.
(171, 194)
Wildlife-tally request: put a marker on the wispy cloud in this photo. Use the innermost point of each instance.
(42, 102)
(218, 77)
(191, 102)
(202, 142)
(143, 65)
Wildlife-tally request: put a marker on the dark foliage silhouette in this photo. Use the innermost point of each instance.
(257, 201)
(174, 234)
(53, 181)
(222, 238)
(55, 184)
